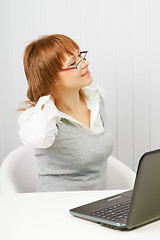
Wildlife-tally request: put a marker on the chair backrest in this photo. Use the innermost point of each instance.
(18, 172)
(119, 176)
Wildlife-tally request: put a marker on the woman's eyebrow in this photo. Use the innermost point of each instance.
(73, 57)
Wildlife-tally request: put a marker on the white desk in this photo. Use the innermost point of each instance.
(45, 216)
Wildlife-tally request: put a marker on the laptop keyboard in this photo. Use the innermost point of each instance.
(116, 213)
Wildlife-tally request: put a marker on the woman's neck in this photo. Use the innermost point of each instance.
(74, 106)
(69, 103)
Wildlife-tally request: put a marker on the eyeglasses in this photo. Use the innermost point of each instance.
(81, 55)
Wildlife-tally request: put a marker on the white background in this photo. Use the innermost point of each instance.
(123, 39)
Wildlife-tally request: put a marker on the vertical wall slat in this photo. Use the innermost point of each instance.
(107, 62)
(124, 82)
(7, 94)
(155, 74)
(141, 85)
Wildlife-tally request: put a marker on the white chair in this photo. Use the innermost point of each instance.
(119, 176)
(18, 172)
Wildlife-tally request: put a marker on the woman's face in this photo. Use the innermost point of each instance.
(74, 79)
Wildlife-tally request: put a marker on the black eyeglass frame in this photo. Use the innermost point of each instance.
(76, 67)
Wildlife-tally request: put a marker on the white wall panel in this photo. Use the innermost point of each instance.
(141, 73)
(1, 140)
(155, 75)
(124, 81)
(7, 91)
(107, 57)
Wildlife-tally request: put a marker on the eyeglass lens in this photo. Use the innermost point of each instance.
(83, 56)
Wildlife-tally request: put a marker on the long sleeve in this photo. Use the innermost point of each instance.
(38, 124)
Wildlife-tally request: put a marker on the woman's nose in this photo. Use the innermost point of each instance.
(85, 63)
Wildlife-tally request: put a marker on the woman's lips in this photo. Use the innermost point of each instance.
(87, 73)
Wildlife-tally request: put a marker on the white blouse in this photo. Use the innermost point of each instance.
(37, 125)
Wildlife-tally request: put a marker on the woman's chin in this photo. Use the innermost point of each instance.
(87, 80)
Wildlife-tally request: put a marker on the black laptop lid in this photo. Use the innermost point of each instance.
(145, 203)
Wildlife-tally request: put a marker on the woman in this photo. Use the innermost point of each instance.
(66, 123)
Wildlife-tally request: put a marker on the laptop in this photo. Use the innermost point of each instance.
(133, 208)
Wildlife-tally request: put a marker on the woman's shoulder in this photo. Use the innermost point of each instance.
(37, 125)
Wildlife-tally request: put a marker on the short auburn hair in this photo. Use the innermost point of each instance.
(42, 58)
